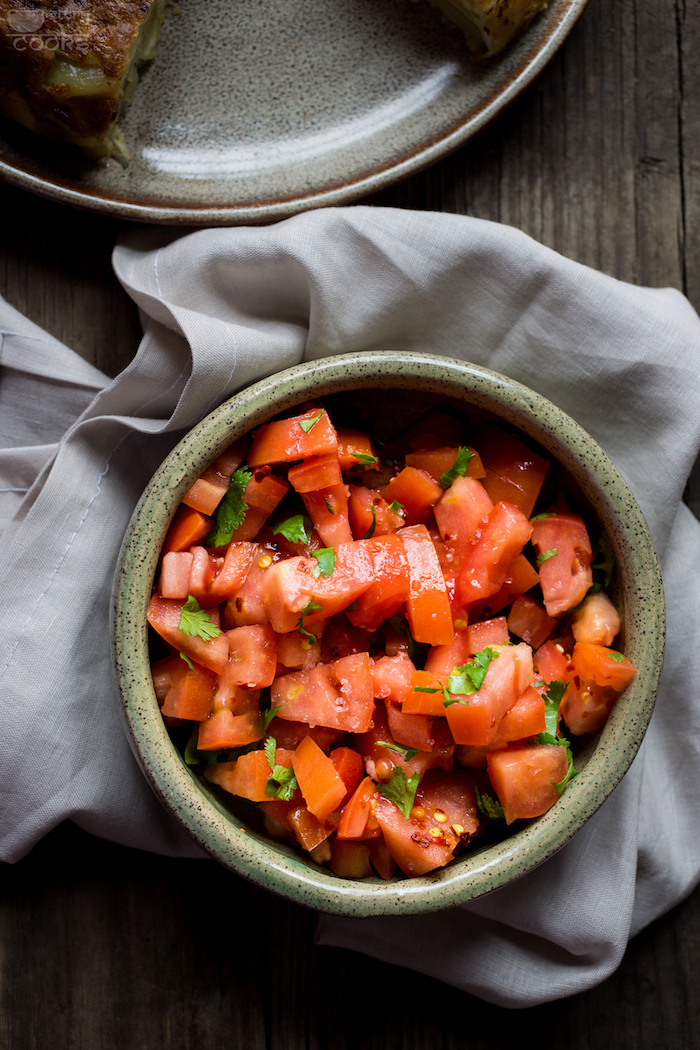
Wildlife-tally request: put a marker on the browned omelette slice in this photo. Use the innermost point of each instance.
(66, 66)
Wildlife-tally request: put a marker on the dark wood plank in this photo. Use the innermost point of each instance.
(103, 947)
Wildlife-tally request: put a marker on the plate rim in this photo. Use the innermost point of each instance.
(534, 60)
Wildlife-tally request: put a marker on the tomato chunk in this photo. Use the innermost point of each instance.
(524, 778)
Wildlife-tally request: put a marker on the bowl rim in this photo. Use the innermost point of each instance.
(475, 872)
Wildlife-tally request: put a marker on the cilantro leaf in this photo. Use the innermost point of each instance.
(542, 517)
(296, 529)
(545, 556)
(310, 606)
(617, 657)
(232, 509)
(406, 752)
(397, 508)
(268, 715)
(489, 806)
(400, 791)
(459, 469)
(604, 559)
(326, 562)
(193, 756)
(194, 621)
(185, 657)
(469, 678)
(553, 697)
(570, 772)
(365, 459)
(370, 531)
(329, 504)
(281, 783)
(308, 424)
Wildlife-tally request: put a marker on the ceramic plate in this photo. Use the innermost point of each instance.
(254, 111)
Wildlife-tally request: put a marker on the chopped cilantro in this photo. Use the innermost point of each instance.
(185, 657)
(617, 657)
(370, 531)
(195, 621)
(193, 756)
(397, 508)
(406, 752)
(365, 459)
(552, 699)
(326, 562)
(469, 678)
(308, 424)
(459, 469)
(296, 529)
(489, 806)
(231, 511)
(545, 556)
(310, 606)
(329, 504)
(268, 715)
(542, 517)
(400, 791)
(603, 559)
(281, 783)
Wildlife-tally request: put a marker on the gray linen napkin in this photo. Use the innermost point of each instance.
(223, 308)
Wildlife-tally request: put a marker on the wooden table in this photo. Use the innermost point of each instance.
(107, 948)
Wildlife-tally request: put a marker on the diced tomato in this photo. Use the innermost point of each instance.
(488, 559)
(355, 449)
(444, 817)
(426, 696)
(187, 528)
(233, 572)
(296, 651)
(552, 662)
(417, 493)
(520, 578)
(410, 730)
(391, 677)
(348, 764)
(164, 617)
(252, 656)
(341, 639)
(524, 778)
(603, 666)
(485, 633)
(514, 472)
(224, 729)
(380, 759)
(529, 621)
(388, 589)
(349, 859)
(353, 822)
(322, 787)
(586, 706)
(263, 494)
(247, 775)
(309, 830)
(382, 860)
(596, 620)
(428, 607)
(317, 472)
(524, 721)
(190, 692)
(201, 575)
(291, 586)
(289, 734)
(328, 510)
(176, 568)
(564, 556)
(437, 461)
(460, 512)
(473, 719)
(337, 695)
(309, 434)
(370, 514)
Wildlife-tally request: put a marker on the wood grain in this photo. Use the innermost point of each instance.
(106, 948)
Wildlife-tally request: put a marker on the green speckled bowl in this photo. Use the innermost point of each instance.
(390, 386)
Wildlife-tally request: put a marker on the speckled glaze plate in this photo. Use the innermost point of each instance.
(251, 112)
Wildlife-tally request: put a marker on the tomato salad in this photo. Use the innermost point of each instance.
(386, 648)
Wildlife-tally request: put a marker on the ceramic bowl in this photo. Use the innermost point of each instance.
(391, 387)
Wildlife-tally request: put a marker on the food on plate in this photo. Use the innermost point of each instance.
(69, 65)
(385, 649)
(490, 25)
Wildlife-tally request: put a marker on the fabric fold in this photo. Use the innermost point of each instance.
(225, 307)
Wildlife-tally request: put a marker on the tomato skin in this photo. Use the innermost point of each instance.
(444, 816)
(428, 607)
(191, 691)
(605, 667)
(417, 493)
(187, 528)
(566, 576)
(389, 587)
(285, 440)
(322, 787)
(513, 472)
(523, 778)
(460, 512)
(489, 557)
